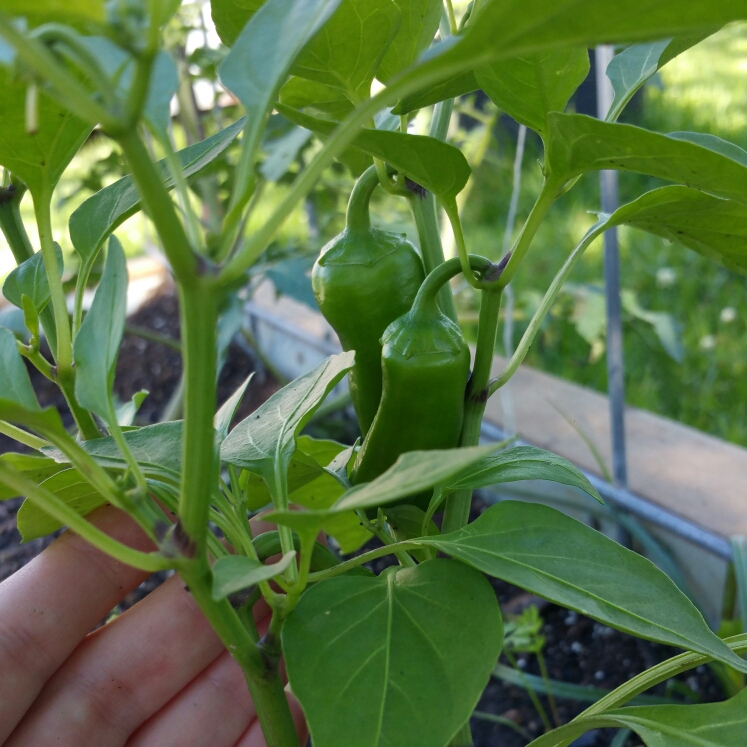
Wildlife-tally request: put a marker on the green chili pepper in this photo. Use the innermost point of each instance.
(425, 363)
(363, 280)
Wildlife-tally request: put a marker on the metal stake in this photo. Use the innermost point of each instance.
(615, 366)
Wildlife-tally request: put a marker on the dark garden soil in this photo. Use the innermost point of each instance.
(578, 650)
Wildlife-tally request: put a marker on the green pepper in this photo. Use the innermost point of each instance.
(363, 280)
(425, 364)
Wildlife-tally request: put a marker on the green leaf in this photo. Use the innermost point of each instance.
(236, 572)
(96, 345)
(126, 413)
(102, 213)
(30, 279)
(225, 415)
(630, 69)
(503, 29)
(701, 725)
(413, 473)
(577, 144)
(264, 443)
(36, 468)
(16, 385)
(560, 559)
(71, 488)
(420, 19)
(711, 226)
(299, 93)
(230, 17)
(259, 61)
(405, 656)
(523, 463)
(65, 11)
(283, 152)
(528, 88)
(38, 159)
(437, 166)
(451, 88)
(347, 52)
(157, 448)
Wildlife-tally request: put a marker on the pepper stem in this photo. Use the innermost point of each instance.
(358, 217)
(437, 278)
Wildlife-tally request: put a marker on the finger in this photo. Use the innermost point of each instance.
(217, 696)
(253, 736)
(123, 673)
(49, 606)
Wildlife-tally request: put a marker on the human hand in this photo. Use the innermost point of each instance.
(156, 676)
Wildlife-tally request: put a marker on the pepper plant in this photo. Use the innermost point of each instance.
(400, 658)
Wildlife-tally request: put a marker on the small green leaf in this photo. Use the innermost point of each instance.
(711, 226)
(97, 344)
(560, 559)
(630, 69)
(16, 386)
(405, 655)
(264, 443)
(413, 473)
(347, 52)
(299, 93)
(451, 88)
(700, 725)
(230, 17)
(577, 144)
(236, 572)
(102, 213)
(523, 463)
(30, 279)
(437, 166)
(157, 448)
(126, 413)
(36, 468)
(71, 488)
(420, 19)
(225, 415)
(38, 159)
(528, 88)
(283, 152)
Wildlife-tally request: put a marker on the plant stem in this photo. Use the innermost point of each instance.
(199, 319)
(157, 203)
(64, 358)
(15, 234)
(456, 513)
(23, 437)
(262, 675)
(547, 197)
(552, 292)
(424, 211)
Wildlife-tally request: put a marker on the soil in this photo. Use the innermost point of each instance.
(577, 650)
